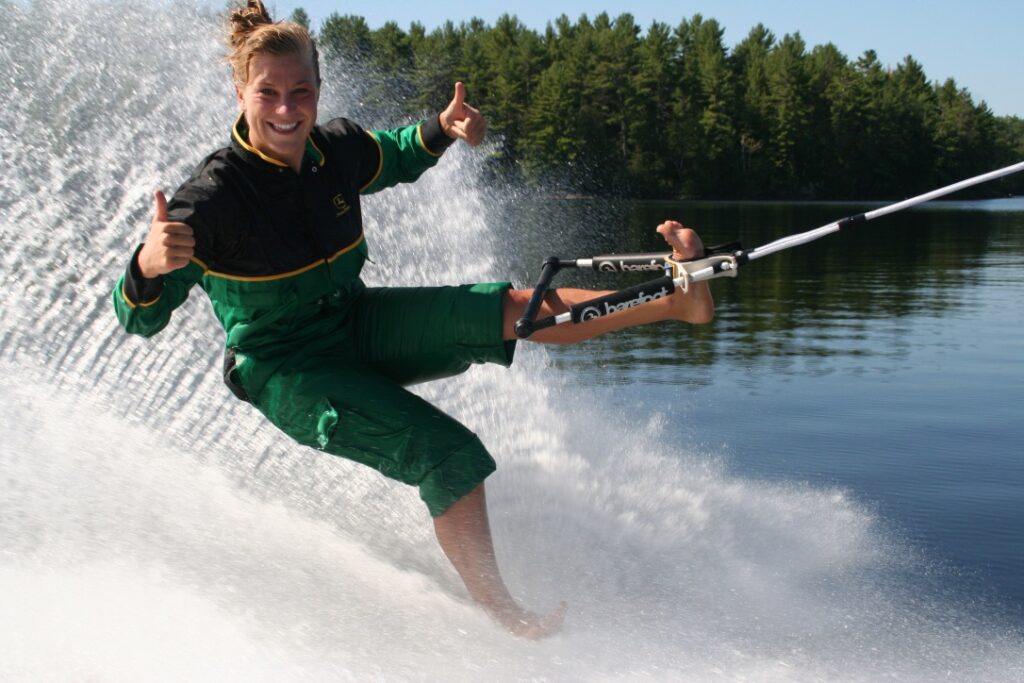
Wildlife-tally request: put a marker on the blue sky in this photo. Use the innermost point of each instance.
(977, 43)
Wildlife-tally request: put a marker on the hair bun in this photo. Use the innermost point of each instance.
(250, 31)
(244, 20)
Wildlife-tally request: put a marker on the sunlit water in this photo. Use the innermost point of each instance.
(152, 527)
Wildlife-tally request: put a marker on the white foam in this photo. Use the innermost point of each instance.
(125, 556)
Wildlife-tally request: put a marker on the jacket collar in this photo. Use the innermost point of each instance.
(240, 140)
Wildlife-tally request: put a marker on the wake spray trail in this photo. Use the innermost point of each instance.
(153, 527)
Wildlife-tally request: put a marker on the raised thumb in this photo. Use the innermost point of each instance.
(161, 206)
(459, 99)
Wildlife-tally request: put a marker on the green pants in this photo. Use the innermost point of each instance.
(346, 396)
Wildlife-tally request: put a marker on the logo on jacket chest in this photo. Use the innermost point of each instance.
(341, 207)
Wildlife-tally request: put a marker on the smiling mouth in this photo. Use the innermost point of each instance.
(284, 128)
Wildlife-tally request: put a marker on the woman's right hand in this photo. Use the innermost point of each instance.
(169, 246)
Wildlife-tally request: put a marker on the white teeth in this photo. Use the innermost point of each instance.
(284, 128)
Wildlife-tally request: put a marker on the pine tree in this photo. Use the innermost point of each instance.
(652, 86)
(749, 60)
(672, 111)
(300, 17)
(790, 115)
(346, 37)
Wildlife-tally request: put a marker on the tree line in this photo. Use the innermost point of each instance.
(601, 106)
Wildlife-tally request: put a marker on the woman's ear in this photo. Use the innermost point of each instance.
(241, 100)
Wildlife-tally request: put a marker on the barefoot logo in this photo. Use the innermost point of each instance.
(591, 312)
(623, 267)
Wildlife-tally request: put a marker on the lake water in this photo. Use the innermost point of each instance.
(823, 484)
(886, 360)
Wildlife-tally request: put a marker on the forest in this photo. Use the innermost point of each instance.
(601, 105)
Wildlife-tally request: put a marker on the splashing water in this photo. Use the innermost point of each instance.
(152, 527)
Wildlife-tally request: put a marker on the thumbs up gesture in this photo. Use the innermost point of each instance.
(460, 120)
(169, 246)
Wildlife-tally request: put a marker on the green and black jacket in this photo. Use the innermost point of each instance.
(278, 253)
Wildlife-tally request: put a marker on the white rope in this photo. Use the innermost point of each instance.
(811, 235)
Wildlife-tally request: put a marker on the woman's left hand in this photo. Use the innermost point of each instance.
(460, 120)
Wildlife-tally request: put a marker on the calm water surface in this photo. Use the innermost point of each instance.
(885, 360)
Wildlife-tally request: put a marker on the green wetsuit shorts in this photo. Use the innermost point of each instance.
(347, 397)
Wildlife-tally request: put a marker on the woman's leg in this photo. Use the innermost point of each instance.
(463, 530)
(465, 537)
(356, 413)
(695, 306)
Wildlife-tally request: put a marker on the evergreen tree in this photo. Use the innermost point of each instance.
(912, 106)
(653, 83)
(300, 17)
(790, 115)
(707, 107)
(672, 111)
(829, 74)
(514, 58)
(866, 130)
(553, 138)
(1009, 149)
(473, 66)
(749, 60)
(345, 37)
(390, 49)
(436, 57)
(965, 133)
(608, 95)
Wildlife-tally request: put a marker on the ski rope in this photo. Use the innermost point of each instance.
(719, 261)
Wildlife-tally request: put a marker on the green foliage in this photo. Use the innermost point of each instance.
(705, 129)
(671, 111)
(651, 166)
(346, 37)
(299, 16)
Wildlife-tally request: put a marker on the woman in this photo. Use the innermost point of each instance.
(270, 227)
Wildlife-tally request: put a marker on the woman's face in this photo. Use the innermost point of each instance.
(279, 103)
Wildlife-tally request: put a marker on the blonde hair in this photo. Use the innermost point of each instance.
(251, 31)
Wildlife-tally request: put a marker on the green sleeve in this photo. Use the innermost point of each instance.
(144, 306)
(405, 153)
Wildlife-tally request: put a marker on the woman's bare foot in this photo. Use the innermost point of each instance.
(695, 305)
(533, 626)
(465, 537)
